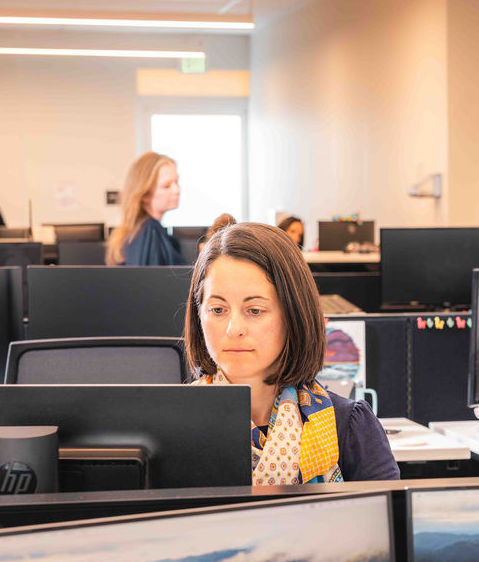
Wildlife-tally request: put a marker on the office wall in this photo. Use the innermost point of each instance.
(463, 88)
(348, 109)
(68, 124)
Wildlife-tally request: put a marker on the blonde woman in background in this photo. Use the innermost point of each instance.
(151, 189)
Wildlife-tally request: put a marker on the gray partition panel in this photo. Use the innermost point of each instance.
(439, 367)
(107, 301)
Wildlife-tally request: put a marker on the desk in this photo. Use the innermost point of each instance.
(465, 432)
(341, 257)
(417, 443)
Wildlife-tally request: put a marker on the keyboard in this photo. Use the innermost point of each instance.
(336, 304)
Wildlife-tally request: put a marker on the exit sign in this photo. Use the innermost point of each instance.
(193, 66)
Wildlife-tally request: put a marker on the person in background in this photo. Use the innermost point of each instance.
(223, 220)
(151, 189)
(294, 228)
(253, 317)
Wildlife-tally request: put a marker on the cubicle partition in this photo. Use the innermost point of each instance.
(107, 301)
(11, 309)
(418, 364)
(439, 367)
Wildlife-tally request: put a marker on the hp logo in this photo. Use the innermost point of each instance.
(17, 478)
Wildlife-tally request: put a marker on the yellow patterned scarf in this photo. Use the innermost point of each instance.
(301, 444)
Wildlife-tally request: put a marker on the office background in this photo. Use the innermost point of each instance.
(350, 104)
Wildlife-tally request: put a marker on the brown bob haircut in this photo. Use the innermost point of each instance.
(278, 256)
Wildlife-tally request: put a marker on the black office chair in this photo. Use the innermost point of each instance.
(119, 360)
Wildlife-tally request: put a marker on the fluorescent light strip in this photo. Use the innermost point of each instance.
(167, 24)
(104, 53)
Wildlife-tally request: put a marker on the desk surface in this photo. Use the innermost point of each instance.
(466, 432)
(415, 442)
(341, 257)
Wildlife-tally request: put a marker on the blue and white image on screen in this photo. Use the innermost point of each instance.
(343, 530)
(446, 525)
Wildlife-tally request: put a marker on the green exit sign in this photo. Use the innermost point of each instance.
(193, 66)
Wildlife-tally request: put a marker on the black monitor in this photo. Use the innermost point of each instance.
(428, 266)
(336, 235)
(69, 301)
(153, 436)
(327, 527)
(188, 238)
(443, 524)
(79, 232)
(81, 253)
(473, 374)
(20, 253)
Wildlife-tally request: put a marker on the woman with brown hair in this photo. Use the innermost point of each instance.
(253, 317)
(294, 228)
(151, 189)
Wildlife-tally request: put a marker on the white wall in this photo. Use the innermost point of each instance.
(348, 109)
(463, 89)
(68, 124)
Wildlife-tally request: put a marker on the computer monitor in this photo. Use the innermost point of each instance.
(20, 253)
(326, 527)
(473, 374)
(82, 231)
(443, 524)
(336, 235)
(169, 436)
(188, 238)
(428, 266)
(88, 301)
(81, 253)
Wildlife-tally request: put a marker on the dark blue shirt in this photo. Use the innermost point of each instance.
(153, 246)
(364, 451)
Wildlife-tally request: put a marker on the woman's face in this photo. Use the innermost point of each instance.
(295, 231)
(165, 195)
(242, 319)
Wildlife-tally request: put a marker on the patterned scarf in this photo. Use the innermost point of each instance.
(301, 445)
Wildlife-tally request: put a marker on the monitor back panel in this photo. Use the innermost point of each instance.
(336, 235)
(361, 288)
(81, 253)
(439, 368)
(107, 301)
(428, 265)
(180, 428)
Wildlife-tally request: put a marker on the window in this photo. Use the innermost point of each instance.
(209, 151)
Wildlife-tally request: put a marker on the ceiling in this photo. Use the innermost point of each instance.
(261, 10)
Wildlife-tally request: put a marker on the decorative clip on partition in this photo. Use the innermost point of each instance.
(430, 186)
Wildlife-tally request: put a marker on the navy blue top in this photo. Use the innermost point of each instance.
(153, 246)
(364, 451)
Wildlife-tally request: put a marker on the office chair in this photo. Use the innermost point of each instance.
(118, 360)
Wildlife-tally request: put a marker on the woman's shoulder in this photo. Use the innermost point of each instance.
(364, 451)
